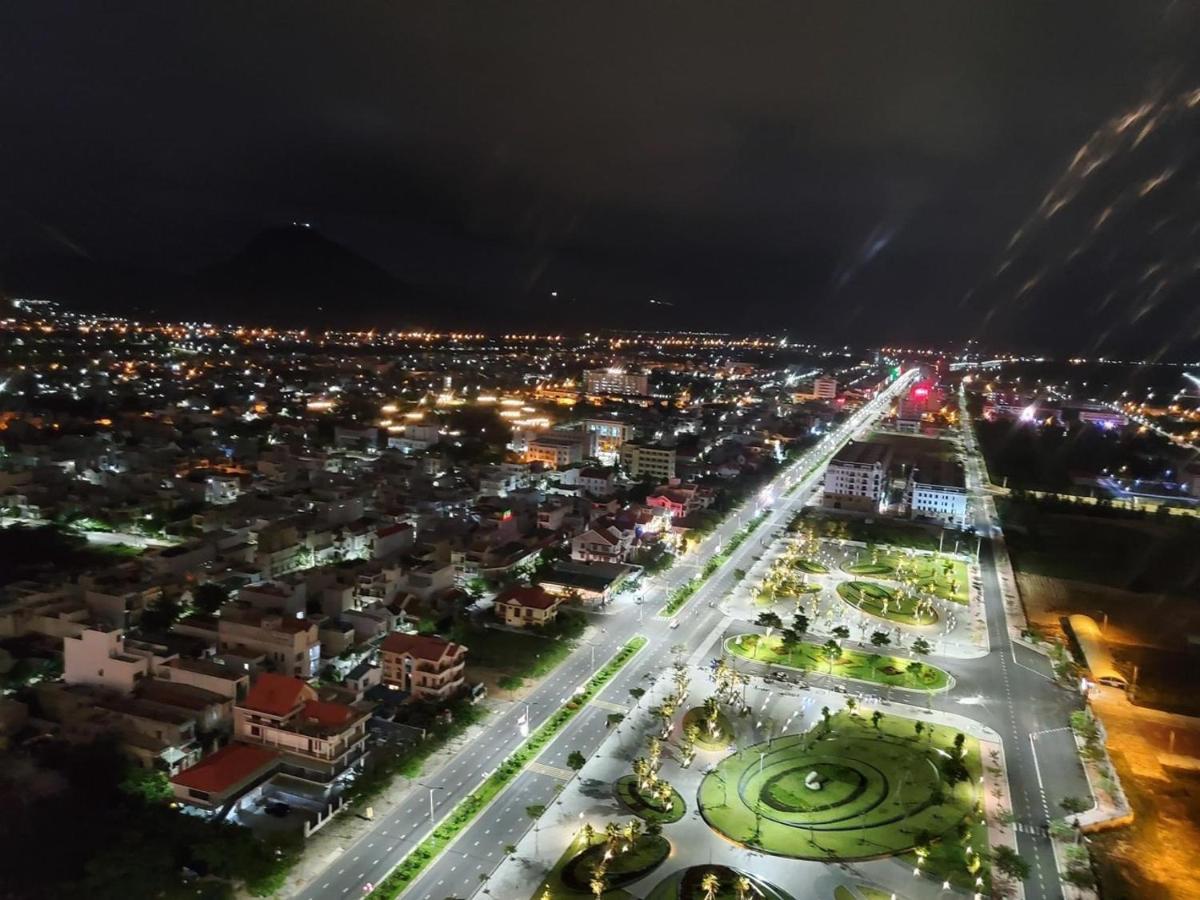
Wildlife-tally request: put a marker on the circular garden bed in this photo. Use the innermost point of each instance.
(624, 867)
(811, 566)
(854, 793)
(707, 740)
(626, 789)
(870, 598)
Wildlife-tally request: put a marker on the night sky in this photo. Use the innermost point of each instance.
(839, 170)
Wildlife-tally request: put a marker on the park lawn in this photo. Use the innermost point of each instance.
(945, 577)
(897, 534)
(869, 596)
(859, 664)
(901, 768)
(811, 566)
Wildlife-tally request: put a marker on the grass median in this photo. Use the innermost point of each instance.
(683, 593)
(474, 803)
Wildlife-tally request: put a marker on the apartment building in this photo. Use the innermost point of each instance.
(426, 666)
(100, 657)
(290, 645)
(937, 490)
(607, 544)
(648, 461)
(856, 477)
(825, 388)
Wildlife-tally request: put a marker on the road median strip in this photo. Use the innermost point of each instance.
(684, 592)
(469, 808)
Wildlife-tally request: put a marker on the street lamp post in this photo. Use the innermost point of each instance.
(431, 789)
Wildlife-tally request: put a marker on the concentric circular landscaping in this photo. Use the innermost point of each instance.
(860, 790)
(886, 603)
(811, 566)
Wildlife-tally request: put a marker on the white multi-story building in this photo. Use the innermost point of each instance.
(100, 657)
(615, 381)
(937, 491)
(608, 436)
(644, 461)
(856, 478)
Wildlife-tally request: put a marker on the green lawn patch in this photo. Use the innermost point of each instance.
(554, 879)
(469, 807)
(871, 569)
(627, 792)
(706, 739)
(806, 656)
(869, 597)
(878, 790)
(522, 655)
(685, 884)
(811, 566)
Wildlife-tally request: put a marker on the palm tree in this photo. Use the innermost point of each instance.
(876, 718)
(825, 716)
(800, 622)
(741, 888)
(633, 830)
(918, 727)
(598, 882)
(710, 884)
(851, 705)
(921, 647)
(841, 632)
(612, 831)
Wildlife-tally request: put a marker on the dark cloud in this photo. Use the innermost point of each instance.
(738, 155)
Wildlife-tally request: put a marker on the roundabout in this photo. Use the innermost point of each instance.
(856, 791)
(886, 603)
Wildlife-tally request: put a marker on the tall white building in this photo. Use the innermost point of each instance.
(937, 490)
(856, 478)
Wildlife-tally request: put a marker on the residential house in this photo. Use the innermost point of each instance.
(426, 666)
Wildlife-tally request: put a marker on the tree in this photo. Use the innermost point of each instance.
(921, 647)
(788, 639)
(588, 833)
(918, 727)
(599, 882)
(161, 614)
(832, 652)
(876, 718)
(851, 705)
(150, 785)
(800, 623)
(741, 888)
(209, 597)
(769, 619)
(825, 716)
(841, 632)
(710, 884)
(637, 693)
(576, 760)
(1010, 862)
(880, 639)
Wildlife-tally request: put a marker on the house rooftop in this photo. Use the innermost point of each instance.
(866, 453)
(227, 768)
(422, 646)
(276, 695)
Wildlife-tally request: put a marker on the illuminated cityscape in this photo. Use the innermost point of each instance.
(552, 453)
